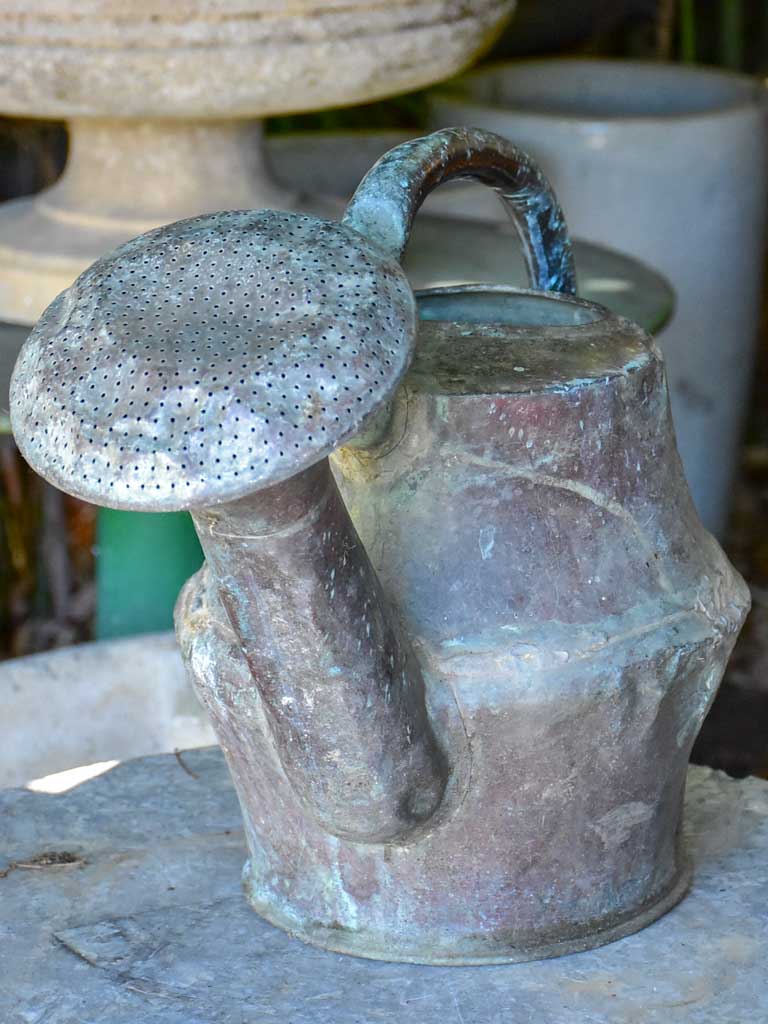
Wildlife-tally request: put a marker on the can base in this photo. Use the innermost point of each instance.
(497, 951)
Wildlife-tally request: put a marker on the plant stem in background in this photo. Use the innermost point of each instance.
(761, 64)
(688, 31)
(665, 28)
(731, 34)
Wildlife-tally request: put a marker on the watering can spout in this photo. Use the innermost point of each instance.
(339, 684)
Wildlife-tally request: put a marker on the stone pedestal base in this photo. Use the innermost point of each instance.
(147, 924)
(123, 178)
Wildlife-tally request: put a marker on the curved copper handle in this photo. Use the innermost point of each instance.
(387, 199)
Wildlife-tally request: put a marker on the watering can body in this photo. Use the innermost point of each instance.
(535, 529)
(458, 623)
(523, 505)
(528, 519)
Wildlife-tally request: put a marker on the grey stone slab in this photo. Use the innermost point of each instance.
(150, 926)
(110, 700)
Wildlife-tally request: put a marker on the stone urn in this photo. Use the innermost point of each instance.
(161, 102)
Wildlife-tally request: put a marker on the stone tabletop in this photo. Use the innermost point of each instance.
(144, 923)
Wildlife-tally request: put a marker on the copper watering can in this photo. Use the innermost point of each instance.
(459, 623)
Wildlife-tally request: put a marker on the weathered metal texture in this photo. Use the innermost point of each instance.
(479, 755)
(528, 518)
(148, 925)
(209, 358)
(388, 198)
(216, 358)
(339, 683)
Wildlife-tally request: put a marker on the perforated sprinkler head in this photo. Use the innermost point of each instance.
(211, 358)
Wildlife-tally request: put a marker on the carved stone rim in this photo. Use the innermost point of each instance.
(253, 65)
(189, 25)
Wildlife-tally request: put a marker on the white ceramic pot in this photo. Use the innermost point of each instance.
(668, 163)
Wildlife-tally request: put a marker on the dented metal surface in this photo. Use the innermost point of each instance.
(339, 683)
(457, 704)
(572, 620)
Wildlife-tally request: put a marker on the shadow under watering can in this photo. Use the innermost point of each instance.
(458, 623)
